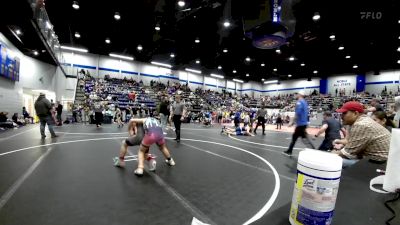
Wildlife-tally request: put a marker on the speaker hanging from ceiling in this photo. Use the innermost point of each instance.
(275, 24)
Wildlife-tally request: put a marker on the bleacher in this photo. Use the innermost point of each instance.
(115, 91)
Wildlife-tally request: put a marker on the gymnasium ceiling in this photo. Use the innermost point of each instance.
(371, 43)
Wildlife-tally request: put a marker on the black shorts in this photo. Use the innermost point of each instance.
(133, 141)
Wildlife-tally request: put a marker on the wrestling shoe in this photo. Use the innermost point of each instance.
(170, 162)
(118, 162)
(139, 172)
(152, 163)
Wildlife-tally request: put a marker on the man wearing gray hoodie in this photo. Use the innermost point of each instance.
(43, 107)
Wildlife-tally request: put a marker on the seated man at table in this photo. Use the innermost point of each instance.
(366, 137)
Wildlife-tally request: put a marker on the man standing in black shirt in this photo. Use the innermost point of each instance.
(178, 112)
(261, 113)
(332, 129)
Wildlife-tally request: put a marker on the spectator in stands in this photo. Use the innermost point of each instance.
(375, 106)
(332, 129)
(301, 114)
(59, 112)
(178, 111)
(26, 114)
(132, 96)
(366, 137)
(381, 118)
(43, 111)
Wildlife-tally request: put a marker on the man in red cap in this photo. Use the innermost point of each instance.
(366, 137)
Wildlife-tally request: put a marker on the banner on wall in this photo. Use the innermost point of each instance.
(9, 64)
(342, 83)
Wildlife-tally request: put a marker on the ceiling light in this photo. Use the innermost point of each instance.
(291, 58)
(139, 47)
(289, 75)
(398, 49)
(247, 75)
(35, 52)
(302, 64)
(355, 66)
(348, 57)
(248, 59)
(197, 61)
(108, 40)
(18, 32)
(192, 70)
(278, 51)
(225, 50)
(341, 48)
(271, 82)
(74, 49)
(316, 16)
(332, 37)
(161, 64)
(398, 61)
(237, 80)
(227, 24)
(75, 5)
(315, 71)
(234, 71)
(217, 76)
(172, 55)
(181, 3)
(117, 16)
(263, 79)
(77, 35)
(262, 64)
(121, 56)
(220, 67)
(157, 28)
(275, 69)
(197, 40)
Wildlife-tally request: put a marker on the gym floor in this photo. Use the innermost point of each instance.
(217, 179)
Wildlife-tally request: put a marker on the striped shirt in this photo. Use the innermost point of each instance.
(367, 138)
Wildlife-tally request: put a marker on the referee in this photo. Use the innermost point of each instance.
(261, 113)
(178, 112)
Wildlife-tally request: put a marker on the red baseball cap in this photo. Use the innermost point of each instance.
(351, 106)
